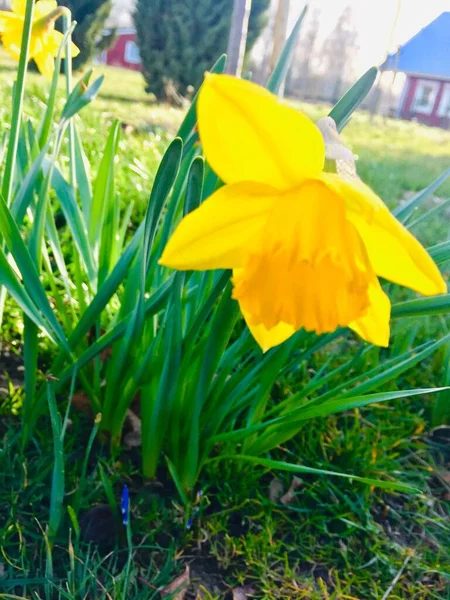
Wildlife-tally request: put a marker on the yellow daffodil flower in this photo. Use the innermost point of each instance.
(305, 246)
(45, 40)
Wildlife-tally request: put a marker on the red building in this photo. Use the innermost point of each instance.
(425, 60)
(124, 53)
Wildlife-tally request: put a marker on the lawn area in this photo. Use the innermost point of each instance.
(253, 532)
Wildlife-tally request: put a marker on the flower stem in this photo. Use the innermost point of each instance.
(16, 120)
(16, 117)
(67, 20)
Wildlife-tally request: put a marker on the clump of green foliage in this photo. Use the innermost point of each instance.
(89, 35)
(180, 39)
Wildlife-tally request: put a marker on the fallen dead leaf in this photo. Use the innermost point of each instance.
(445, 476)
(276, 490)
(81, 403)
(177, 589)
(133, 438)
(336, 150)
(290, 494)
(240, 593)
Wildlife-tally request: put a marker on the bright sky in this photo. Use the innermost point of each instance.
(374, 20)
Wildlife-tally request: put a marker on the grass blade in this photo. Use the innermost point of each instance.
(403, 211)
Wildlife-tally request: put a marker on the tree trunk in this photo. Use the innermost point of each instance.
(238, 36)
(279, 31)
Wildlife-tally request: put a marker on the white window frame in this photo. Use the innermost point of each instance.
(428, 109)
(444, 104)
(132, 53)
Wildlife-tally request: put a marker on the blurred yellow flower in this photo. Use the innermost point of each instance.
(305, 246)
(45, 40)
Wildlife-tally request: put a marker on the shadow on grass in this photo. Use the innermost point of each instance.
(127, 99)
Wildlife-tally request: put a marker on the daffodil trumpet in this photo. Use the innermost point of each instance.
(306, 247)
(45, 40)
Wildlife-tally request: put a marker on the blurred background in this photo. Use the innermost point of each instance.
(339, 40)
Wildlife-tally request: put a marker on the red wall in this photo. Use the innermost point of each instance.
(406, 111)
(115, 56)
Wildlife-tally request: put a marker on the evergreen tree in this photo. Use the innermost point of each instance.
(180, 39)
(89, 35)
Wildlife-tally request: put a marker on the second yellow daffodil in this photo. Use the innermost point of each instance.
(45, 40)
(306, 247)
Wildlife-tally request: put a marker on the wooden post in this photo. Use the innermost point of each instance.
(237, 40)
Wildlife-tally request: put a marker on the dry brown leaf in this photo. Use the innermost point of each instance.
(276, 490)
(133, 438)
(335, 149)
(240, 593)
(445, 476)
(81, 403)
(290, 494)
(177, 589)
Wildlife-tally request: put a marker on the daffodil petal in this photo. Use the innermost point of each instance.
(42, 8)
(249, 135)
(310, 269)
(393, 251)
(11, 40)
(18, 6)
(269, 338)
(9, 20)
(373, 326)
(74, 50)
(45, 63)
(53, 42)
(217, 234)
(36, 45)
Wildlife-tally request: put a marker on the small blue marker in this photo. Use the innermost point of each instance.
(125, 505)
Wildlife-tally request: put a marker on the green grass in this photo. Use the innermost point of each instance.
(334, 539)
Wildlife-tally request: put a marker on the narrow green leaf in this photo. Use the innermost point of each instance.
(440, 253)
(349, 402)
(47, 120)
(31, 280)
(103, 188)
(284, 466)
(81, 95)
(188, 124)
(24, 195)
(75, 221)
(9, 279)
(278, 76)
(152, 306)
(164, 180)
(74, 521)
(30, 362)
(177, 481)
(384, 373)
(350, 101)
(194, 186)
(82, 483)
(57, 492)
(109, 492)
(435, 305)
(428, 215)
(82, 176)
(441, 407)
